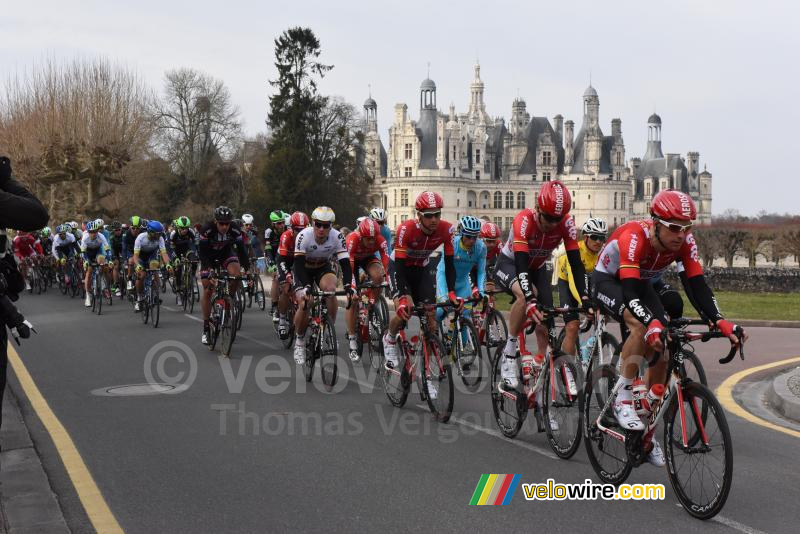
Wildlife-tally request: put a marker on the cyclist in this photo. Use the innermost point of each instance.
(184, 246)
(469, 255)
(63, 244)
(46, 239)
(220, 242)
(521, 269)
(313, 250)
(410, 280)
(94, 246)
(272, 239)
(594, 231)
(115, 242)
(379, 216)
(25, 249)
(636, 252)
(250, 234)
(490, 236)
(362, 246)
(128, 241)
(282, 282)
(146, 249)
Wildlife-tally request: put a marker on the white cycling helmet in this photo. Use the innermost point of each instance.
(378, 214)
(73, 225)
(594, 226)
(323, 214)
(247, 218)
(358, 221)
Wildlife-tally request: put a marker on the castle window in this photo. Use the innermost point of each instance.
(454, 153)
(499, 222)
(509, 222)
(403, 218)
(647, 192)
(615, 201)
(498, 200)
(458, 203)
(477, 156)
(521, 200)
(454, 173)
(624, 203)
(407, 172)
(547, 158)
(546, 176)
(619, 175)
(477, 175)
(395, 204)
(404, 197)
(619, 158)
(509, 200)
(408, 151)
(615, 221)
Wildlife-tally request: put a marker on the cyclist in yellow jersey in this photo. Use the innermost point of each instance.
(594, 232)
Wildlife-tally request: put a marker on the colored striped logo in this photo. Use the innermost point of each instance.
(495, 489)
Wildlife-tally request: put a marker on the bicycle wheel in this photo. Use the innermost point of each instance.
(311, 354)
(701, 475)
(378, 320)
(562, 406)
(259, 293)
(469, 356)
(510, 408)
(495, 330)
(227, 325)
(144, 304)
(97, 299)
(239, 300)
(62, 282)
(290, 313)
(437, 379)
(607, 453)
(155, 306)
(397, 381)
(74, 280)
(329, 354)
(215, 322)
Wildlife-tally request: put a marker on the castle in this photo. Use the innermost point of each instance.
(492, 169)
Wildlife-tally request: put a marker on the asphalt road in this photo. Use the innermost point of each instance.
(231, 453)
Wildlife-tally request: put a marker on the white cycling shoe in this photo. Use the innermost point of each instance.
(390, 351)
(626, 416)
(299, 352)
(656, 456)
(88, 301)
(509, 372)
(432, 391)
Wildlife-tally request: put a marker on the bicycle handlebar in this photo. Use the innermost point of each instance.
(705, 336)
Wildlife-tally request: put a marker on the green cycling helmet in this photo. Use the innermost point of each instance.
(183, 222)
(276, 216)
(135, 221)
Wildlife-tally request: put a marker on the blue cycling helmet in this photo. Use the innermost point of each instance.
(469, 226)
(154, 227)
(92, 226)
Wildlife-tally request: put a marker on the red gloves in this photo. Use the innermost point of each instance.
(653, 334)
(403, 310)
(726, 327)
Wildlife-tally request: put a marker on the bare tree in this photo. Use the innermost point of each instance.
(71, 128)
(195, 120)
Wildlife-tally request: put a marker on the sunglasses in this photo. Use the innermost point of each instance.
(600, 238)
(676, 228)
(223, 223)
(322, 225)
(432, 214)
(550, 218)
(467, 236)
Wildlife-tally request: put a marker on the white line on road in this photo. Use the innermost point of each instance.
(741, 527)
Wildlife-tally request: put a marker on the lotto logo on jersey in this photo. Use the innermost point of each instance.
(693, 247)
(573, 231)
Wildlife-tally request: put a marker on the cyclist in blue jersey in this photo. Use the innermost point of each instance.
(470, 252)
(379, 216)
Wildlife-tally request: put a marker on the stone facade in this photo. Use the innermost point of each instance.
(492, 169)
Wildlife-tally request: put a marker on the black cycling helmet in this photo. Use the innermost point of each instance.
(143, 224)
(116, 225)
(223, 214)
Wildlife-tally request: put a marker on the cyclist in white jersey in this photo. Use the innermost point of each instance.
(146, 248)
(94, 246)
(313, 250)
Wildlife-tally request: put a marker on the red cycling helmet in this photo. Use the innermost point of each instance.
(554, 199)
(673, 205)
(298, 220)
(490, 230)
(428, 200)
(369, 228)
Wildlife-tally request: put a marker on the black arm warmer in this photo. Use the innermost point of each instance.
(578, 271)
(631, 287)
(347, 271)
(241, 251)
(283, 267)
(450, 273)
(702, 298)
(300, 271)
(400, 275)
(521, 262)
(204, 251)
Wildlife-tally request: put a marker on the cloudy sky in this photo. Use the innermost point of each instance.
(723, 75)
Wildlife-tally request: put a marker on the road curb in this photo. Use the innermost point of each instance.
(781, 397)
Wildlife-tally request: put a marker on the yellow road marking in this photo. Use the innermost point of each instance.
(97, 509)
(725, 396)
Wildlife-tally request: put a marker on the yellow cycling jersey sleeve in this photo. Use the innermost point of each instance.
(564, 271)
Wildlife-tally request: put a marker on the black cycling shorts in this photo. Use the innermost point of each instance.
(505, 274)
(607, 294)
(566, 298)
(419, 283)
(315, 274)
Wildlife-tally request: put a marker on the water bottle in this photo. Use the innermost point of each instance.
(588, 348)
(653, 396)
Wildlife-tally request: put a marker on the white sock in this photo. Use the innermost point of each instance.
(625, 392)
(389, 338)
(511, 345)
(353, 341)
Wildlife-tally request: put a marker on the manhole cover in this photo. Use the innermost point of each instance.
(135, 390)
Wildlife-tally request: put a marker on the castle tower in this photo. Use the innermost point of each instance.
(371, 114)
(593, 140)
(653, 138)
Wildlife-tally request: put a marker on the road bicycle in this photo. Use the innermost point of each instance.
(696, 439)
(421, 358)
(373, 317)
(490, 324)
(188, 290)
(150, 305)
(223, 321)
(99, 288)
(461, 343)
(255, 289)
(551, 391)
(321, 342)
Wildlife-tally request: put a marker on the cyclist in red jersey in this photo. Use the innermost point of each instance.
(410, 280)
(26, 246)
(364, 246)
(520, 269)
(636, 252)
(285, 260)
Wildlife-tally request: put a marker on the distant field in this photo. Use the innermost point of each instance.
(763, 306)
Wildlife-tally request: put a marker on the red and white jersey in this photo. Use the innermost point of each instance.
(358, 252)
(415, 246)
(492, 252)
(315, 253)
(629, 254)
(526, 236)
(286, 244)
(26, 245)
